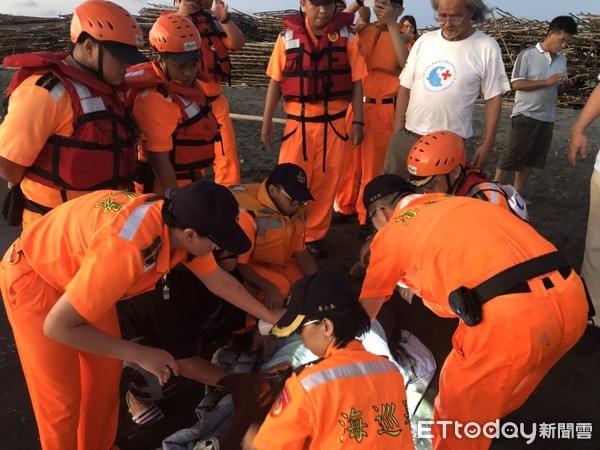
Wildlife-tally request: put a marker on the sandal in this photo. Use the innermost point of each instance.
(149, 413)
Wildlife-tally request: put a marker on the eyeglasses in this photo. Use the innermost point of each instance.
(293, 203)
(372, 214)
(311, 322)
(453, 19)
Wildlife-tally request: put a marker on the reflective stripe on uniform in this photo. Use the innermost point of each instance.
(57, 91)
(191, 108)
(264, 223)
(89, 104)
(133, 222)
(289, 40)
(349, 370)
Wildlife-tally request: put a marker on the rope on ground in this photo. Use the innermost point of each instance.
(254, 118)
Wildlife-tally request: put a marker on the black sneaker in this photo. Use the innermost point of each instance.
(339, 217)
(316, 249)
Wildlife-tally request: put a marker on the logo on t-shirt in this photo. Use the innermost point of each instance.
(439, 76)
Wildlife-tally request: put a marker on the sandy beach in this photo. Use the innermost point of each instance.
(560, 199)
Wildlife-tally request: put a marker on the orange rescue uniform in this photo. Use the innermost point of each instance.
(275, 237)
(338, 402)
(43, 113)
(323, 176)
(379, 88)
(185, 124)
(104, 246)
(436, 243)
(226, 165)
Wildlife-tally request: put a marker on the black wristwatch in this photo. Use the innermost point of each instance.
(226, 20)
(360, 3)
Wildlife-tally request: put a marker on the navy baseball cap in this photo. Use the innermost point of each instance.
(313, 297)
(293, 179)
(384, 185)
(212, 211)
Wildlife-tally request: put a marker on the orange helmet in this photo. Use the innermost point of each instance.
(175, 34)
(106, 21)
(435, 154)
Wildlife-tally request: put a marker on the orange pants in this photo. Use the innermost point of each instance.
(282, 277)
(227, 164)
(322, 178)
(366, 161)
(495, 366)
(75, 394)
(347, 193)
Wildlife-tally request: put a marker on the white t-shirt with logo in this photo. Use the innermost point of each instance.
(446, 77)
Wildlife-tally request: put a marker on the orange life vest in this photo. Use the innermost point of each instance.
(215, 61)
(277, 234)
(101, 153)
(312, 74)
(377, 49)
(194, 138)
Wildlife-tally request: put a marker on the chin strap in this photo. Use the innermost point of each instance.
(453, 187)
(98, 73)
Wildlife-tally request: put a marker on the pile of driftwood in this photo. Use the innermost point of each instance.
(260, 30)
(583, 53)
(33, 34)
(25, 34)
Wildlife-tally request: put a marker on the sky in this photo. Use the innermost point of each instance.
(421, 9)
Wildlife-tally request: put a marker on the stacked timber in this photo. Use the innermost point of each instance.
(26, 34)
(22, 34)
(516, 34)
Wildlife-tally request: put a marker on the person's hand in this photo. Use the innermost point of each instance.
(574, 81)
(279, 367)
(578, 146)
(220, 11)
(557, 77)
(406, 294)
(188, 7)
(356, 134)
(364, 15)
(274, 299)
(387, 12)
(158, 362)
(482, 155)
(267, 133)
(266, 345)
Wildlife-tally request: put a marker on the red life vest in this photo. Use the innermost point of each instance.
(194, 138)
(476, 185)
(322, 73)
(215, 62)
(474, 177)
(101, 152)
